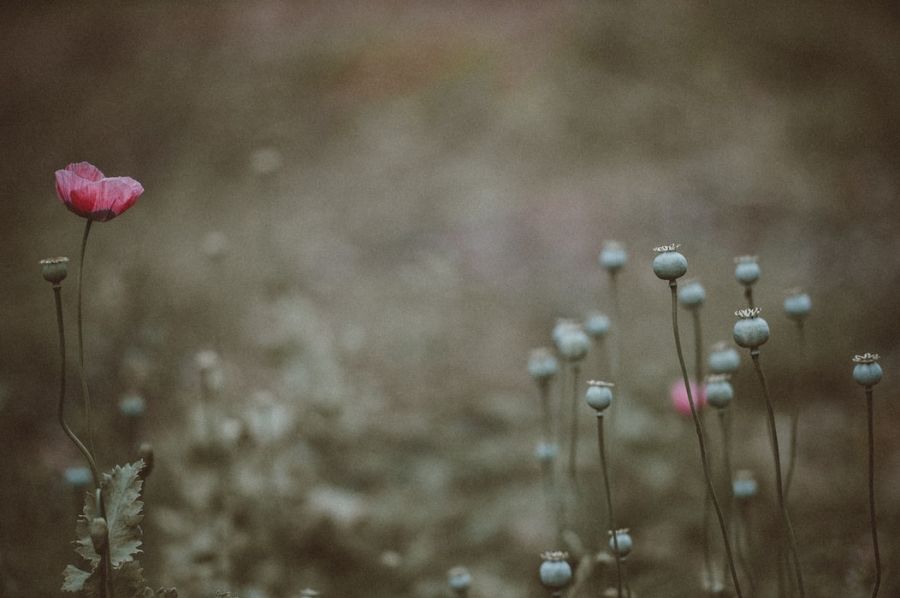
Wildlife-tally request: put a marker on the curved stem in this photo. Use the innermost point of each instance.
(609, 505)
(95, 473)
(701, 440)
(86, 397)
(773, 434)
(872, 515)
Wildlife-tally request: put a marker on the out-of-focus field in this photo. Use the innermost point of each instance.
(412, 193)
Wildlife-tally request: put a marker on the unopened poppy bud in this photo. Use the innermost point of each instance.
(145, 452)
(867, 371)
(555, 571)
(750, 331)
(99, 533)
(613, 256)
(55, 269)
(669, 264)
(746, 270)
(460, 580)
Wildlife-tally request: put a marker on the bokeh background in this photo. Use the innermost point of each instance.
(411, 194)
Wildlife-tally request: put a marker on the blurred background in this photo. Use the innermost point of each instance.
(404, 197)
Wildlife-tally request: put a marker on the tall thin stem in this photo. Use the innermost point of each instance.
(707, 502)
(701, 440)
(773, 434)
(742, 525)
(748, 295)
(546, 412)
(726, 462)
(573, 431)
(609, 504)
(615, 354)
(872, 514)
(95, 473)
(795, 419)
(86, 397)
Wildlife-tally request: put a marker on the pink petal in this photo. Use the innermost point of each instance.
(679, 396)
(76, 192)
(118, 194)
(85, 170)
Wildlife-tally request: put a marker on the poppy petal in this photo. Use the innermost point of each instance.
(86, 170)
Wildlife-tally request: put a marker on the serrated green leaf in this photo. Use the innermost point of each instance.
(75, 579)
(121, 497)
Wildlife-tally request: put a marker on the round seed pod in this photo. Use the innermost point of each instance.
(744, 485)
(691, 295)
(669, 264)
(55, 269)
(867, 371)
(723, 359)
(574, 344)
(623, 539)
(459, 579)
(542, 365)
(596, 325)
(599, 395)
(132, 405)
(746, 270)
(719, 391)
(78, 477)
(750, 331)
(797, 305)
(555, 571)
(613, 257)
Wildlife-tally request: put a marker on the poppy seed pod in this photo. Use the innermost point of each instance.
(596, 325)
(669, 264)
(55, 269)
(99, 534)
(867, 371)
(623, 539)
(459, 579)
(719, 391)
(750, 331)
(797, 305)
(746, 270)
(573, 344)
(78, 477)
(691, 294)
(599, 395)
(555, 571)
(132, 405)
(542, 365)
(744, 485)
(723, 359)
(546, 452)
(613, 256)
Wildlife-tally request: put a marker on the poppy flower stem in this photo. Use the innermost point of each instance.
(779, 486)
(701, 440)
(92, 464)
(609, 505)
(707, 503)
(84, 386)
(795, 420)
(573, 432)
(872, 514)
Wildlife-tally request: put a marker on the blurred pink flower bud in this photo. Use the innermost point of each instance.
(680, 398)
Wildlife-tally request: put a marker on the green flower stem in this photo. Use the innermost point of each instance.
(547, 469)
(795, 420)
(86, 397)
(872, 515)
(616, 352)
(701, 440)
(707, 502)
(726, 462)
(779, 486)
(609, 505)
(92, 464)
(573, 431)
(547, 419)
(748, 295)
(742, 525)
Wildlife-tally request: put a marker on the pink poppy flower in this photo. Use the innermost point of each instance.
(680, 398)
(89, 193)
